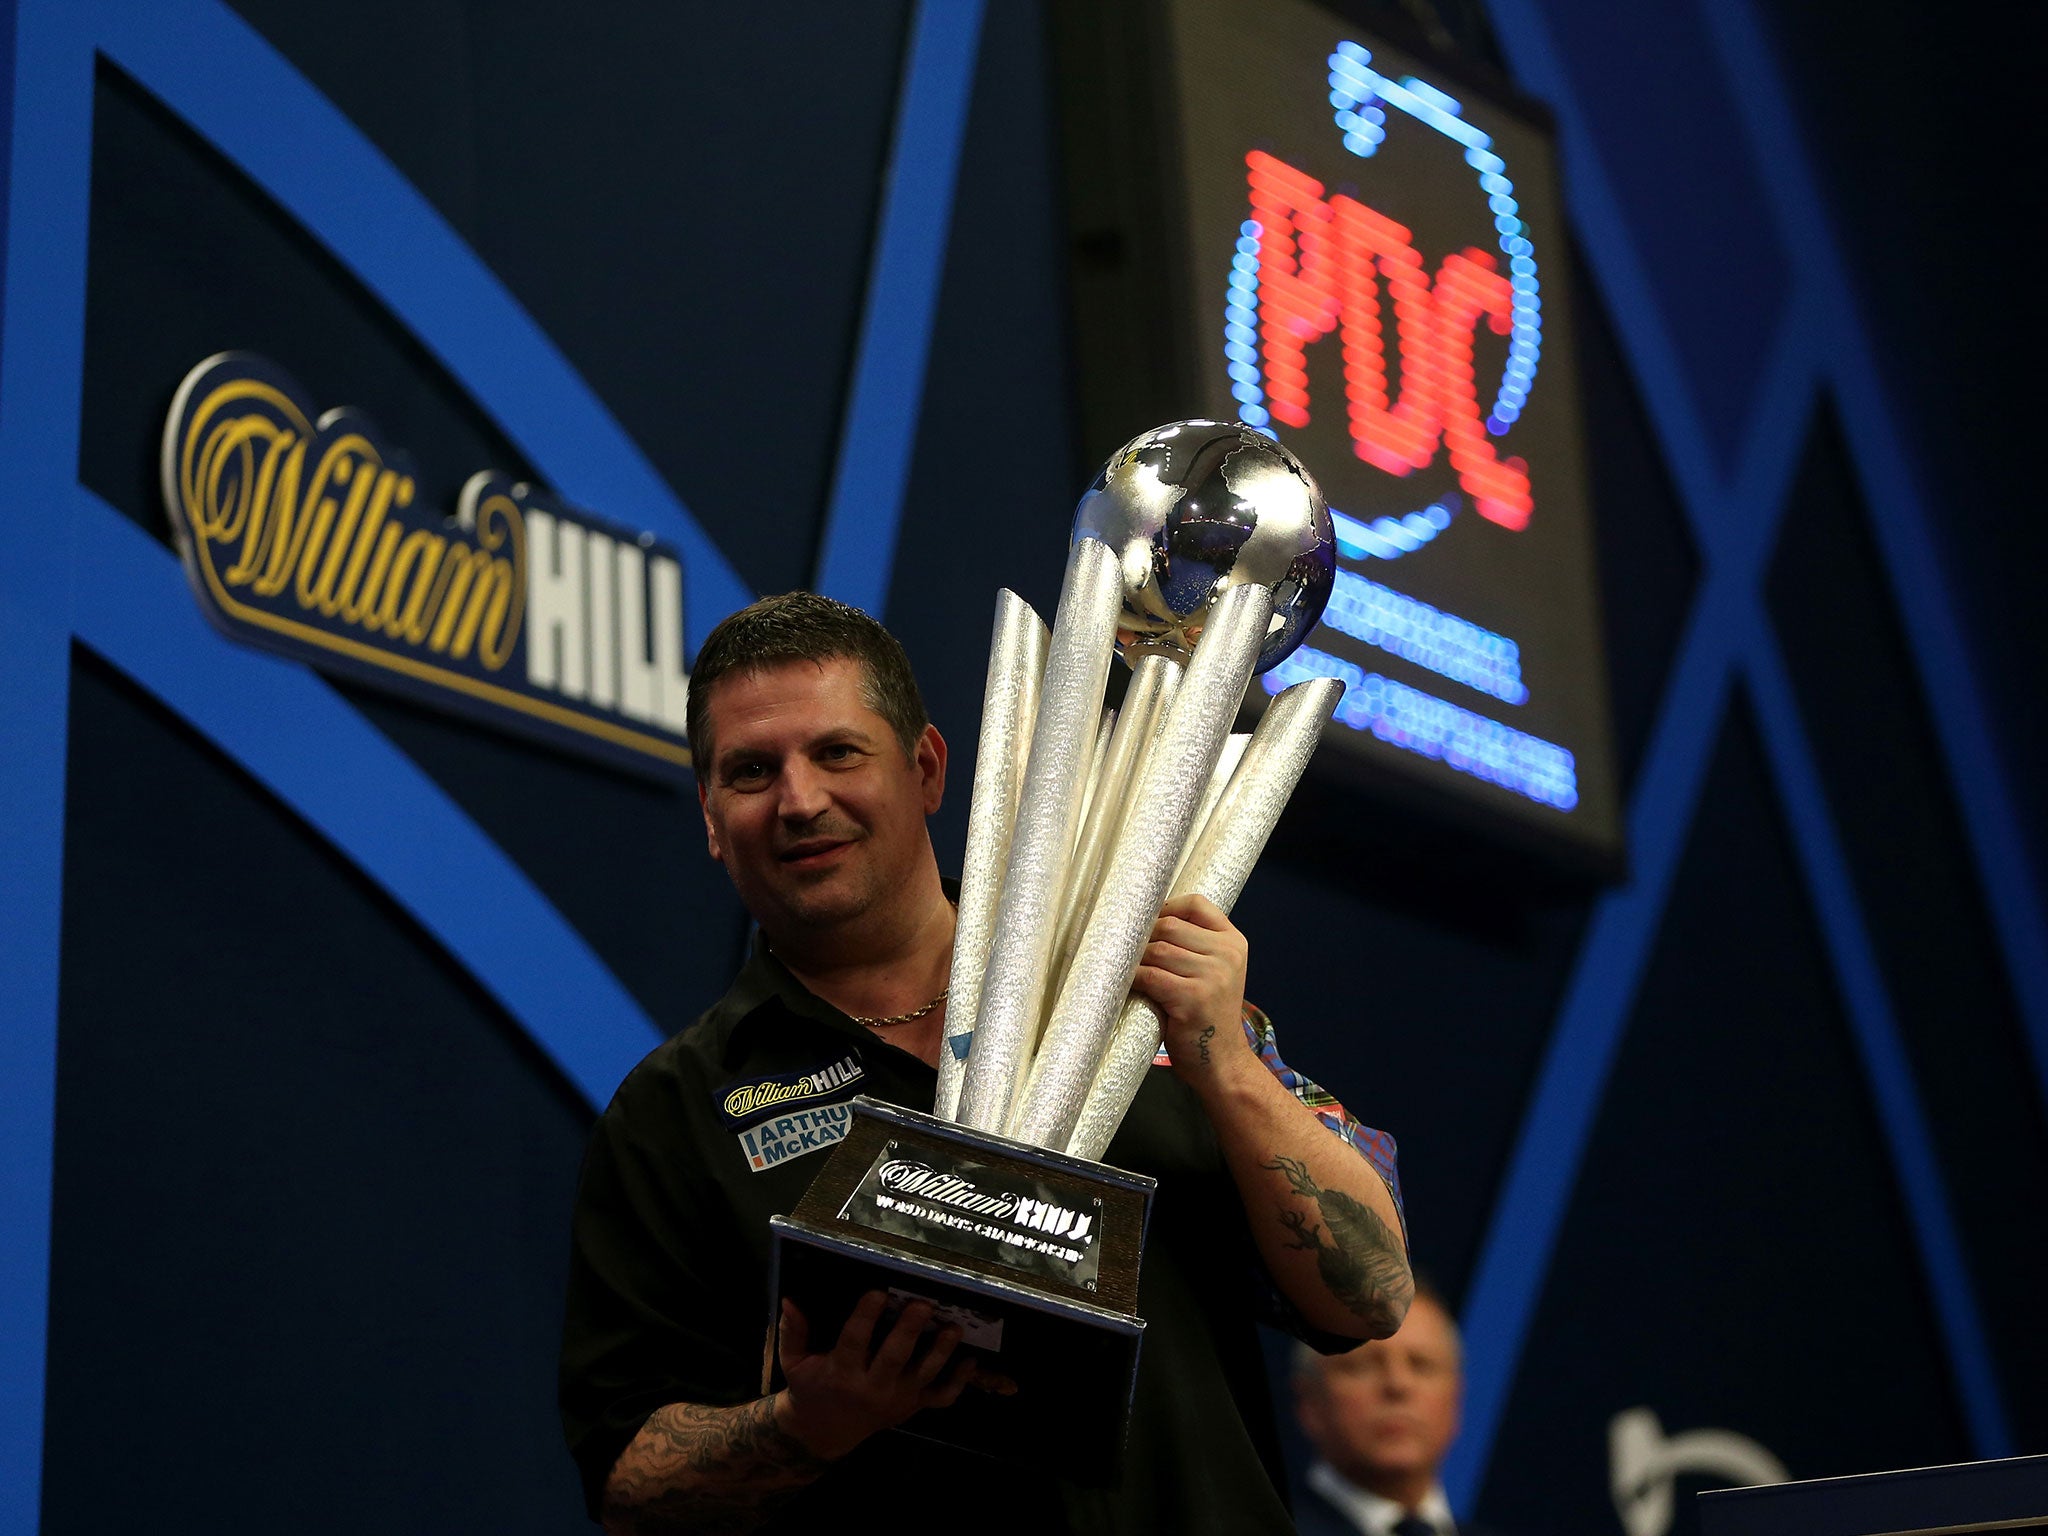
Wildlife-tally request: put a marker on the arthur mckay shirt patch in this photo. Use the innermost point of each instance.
(791, 1113)
(794, 1134)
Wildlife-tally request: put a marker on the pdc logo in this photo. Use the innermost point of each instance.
(1311, 264)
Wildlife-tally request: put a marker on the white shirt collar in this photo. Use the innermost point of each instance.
(1373, 1515)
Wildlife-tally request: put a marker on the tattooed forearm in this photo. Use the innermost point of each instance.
(1202, 1042)
(1362, 1264)
(699, 1469)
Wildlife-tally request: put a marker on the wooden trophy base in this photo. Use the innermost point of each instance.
(1032, 1253)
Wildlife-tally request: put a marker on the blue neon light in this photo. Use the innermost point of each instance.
(1430, 94)
(1441, 642)
(1355, 91)
(1435, 728)
(1241, 326)
(1389, 538)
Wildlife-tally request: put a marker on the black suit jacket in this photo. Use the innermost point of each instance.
(1315, 1515)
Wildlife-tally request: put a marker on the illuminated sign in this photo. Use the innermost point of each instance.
(1306, 267)
(301, 534)
(1362, 249)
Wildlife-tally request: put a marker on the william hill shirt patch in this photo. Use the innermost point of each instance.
(794, 1134)
(750, 1102)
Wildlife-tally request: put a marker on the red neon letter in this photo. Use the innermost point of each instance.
(1298, 298)
(1403, 438)
(1467, 286)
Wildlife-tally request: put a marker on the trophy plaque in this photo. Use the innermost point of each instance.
(1202, 555)
(1032, 1254)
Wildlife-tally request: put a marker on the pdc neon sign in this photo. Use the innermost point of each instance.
(1310, 264)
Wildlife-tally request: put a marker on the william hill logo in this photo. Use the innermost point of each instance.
(770, 1093)
(905, 1176)
(301, 534)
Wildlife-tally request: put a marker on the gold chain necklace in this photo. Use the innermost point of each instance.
(894, 1018)
(900, 1018)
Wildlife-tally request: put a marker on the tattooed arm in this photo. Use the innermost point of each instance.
(706, 1469)
(1322, 1216)
(724, 1470)
(1357, 1256)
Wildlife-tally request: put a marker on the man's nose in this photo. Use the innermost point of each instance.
(803, 794)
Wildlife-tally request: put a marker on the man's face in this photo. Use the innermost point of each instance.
(1388, 1410)
(809, 801)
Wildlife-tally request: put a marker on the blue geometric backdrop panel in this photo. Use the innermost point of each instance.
(1612, 121)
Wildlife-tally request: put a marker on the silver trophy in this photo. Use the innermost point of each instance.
(1202, 554)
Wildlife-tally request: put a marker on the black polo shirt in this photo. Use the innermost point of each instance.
(726, 1124)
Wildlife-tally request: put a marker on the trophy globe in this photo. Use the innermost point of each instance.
(1195, 508)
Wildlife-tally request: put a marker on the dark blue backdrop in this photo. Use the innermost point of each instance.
(306, 995)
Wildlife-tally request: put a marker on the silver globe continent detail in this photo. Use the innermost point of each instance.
(1195, 508)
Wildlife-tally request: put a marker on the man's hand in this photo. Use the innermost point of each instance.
(719, 1471)
(1326, 1225)
(837, 1398)
(1193, 972)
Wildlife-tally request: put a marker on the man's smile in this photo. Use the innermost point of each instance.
(813, 852)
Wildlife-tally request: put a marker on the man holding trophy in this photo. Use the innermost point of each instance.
(1090, 931)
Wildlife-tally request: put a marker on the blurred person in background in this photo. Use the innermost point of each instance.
(1381, 1418)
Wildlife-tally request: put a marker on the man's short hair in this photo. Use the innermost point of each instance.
(802, 626)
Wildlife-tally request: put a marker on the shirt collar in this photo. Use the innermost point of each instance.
(765, 985)
(1372, 1514)
(766, 991)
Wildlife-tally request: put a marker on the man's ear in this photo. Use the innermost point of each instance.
(710, 831)
(1308, 1410)
(930, 758)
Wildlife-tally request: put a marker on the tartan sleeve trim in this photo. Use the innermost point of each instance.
(1376, 1147)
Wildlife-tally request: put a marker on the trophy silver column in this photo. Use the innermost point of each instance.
(1224, 556)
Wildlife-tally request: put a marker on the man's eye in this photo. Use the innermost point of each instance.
(838, 752)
